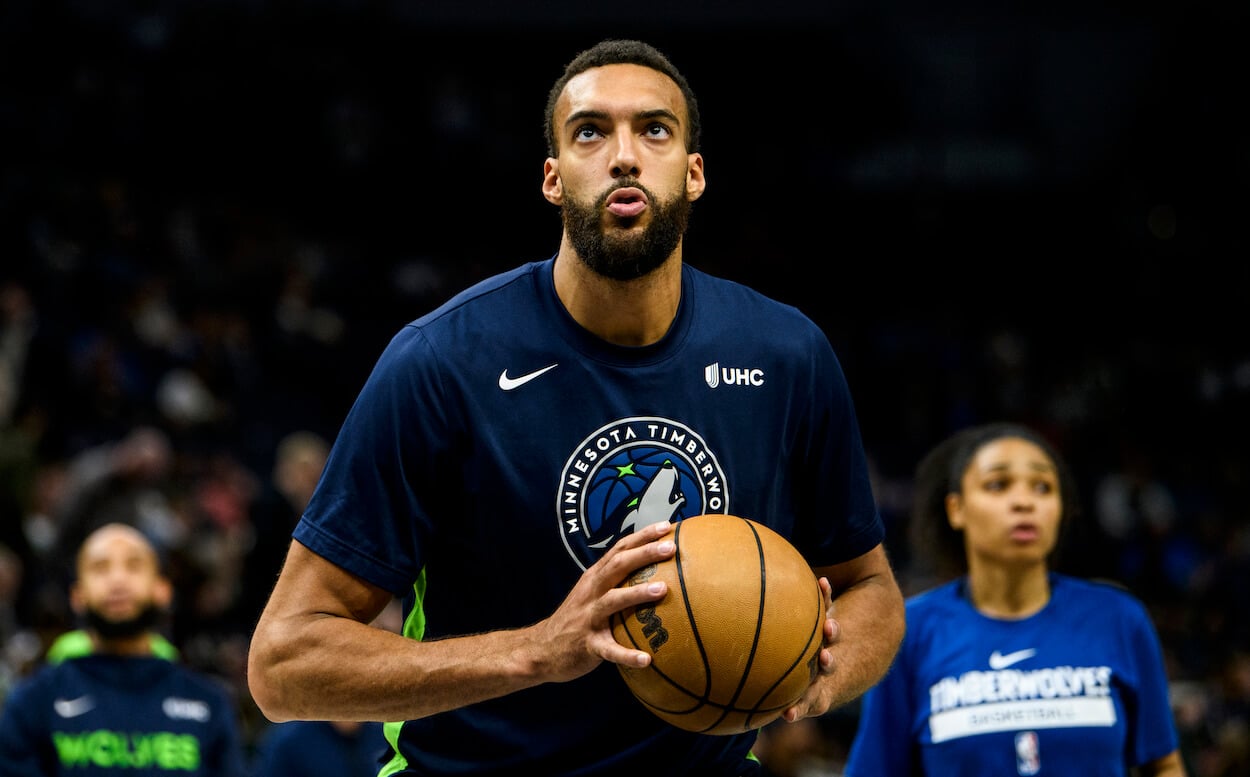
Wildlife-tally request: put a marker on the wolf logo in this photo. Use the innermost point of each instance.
(660, 500)
(630, 473)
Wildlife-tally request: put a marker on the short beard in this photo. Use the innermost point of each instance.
(129, 628)
(630, 256)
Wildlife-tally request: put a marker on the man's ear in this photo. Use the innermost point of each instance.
(695, 182)
(162, 592)
(76, 601)
(553, 188)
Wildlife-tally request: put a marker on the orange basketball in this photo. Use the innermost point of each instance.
(736, 639)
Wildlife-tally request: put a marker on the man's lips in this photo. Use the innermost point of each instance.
(627, 202)
(117, 607)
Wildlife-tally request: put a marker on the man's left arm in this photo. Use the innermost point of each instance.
(862, 635)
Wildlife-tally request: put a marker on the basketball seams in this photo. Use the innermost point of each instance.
(800, 658)
(745, 674)
(680, 564)
(752, 669)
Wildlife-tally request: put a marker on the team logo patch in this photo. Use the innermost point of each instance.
(630, 474)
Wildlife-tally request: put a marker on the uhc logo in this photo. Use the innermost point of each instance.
(715, 375)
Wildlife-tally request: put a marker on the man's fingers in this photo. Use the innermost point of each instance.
(610, 650)
(637, 550)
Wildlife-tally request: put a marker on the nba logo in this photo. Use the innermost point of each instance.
(1028, 759)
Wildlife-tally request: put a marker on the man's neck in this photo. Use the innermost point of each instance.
(140, 645)
(631, 313)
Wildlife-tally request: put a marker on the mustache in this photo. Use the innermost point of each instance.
(624, 183)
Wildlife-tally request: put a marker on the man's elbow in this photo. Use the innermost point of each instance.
(894, 625)
(897, 613)
(899, 631)
(263, 681)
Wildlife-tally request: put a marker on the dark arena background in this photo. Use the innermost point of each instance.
(213, 216)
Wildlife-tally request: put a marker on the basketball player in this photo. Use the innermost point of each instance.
(1011, 668)
(517, 452)
(113, 699)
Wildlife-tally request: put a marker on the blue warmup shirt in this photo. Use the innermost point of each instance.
(119, 716)
(498, 449)
(1077, 690)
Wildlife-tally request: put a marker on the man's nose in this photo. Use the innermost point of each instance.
(625, 156)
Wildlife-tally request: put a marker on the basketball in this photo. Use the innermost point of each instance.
(736, 640)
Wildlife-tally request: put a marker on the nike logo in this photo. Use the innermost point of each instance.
(1000, 661)
(72, 708)
(507, 384)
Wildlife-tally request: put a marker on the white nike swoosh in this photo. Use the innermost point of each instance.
(72, 708)
(507, 384)
(999, 661)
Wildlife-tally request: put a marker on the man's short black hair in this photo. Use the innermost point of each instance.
(622, 52)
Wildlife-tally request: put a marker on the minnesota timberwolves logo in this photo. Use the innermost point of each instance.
(632, 473)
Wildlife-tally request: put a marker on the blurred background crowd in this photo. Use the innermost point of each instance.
(214, 215)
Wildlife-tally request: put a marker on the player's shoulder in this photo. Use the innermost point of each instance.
(197, 684)
(1096, 585)
(936, 607)
(490, 292)
(501, 302)
(750, 313)
(1097, 595)
(936, 598)
(36, 689)
(38, 681)
(716, 288)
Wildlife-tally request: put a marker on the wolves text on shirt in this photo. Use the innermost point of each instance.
(982, 702)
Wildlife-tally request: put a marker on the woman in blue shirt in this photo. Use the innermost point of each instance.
(1012, 668)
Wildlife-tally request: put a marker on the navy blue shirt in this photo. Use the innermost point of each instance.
(498, 449)
(109, 716)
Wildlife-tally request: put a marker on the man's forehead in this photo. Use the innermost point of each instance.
(112, 540)
(628, 87)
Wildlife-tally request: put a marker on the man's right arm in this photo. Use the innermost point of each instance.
(314, 656)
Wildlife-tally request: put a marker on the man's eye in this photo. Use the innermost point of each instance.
(586, 132)
(657, 131)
